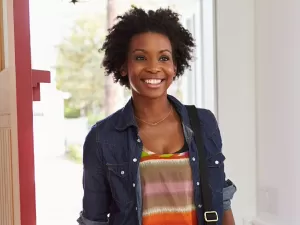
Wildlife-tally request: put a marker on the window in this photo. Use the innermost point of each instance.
(199, 82)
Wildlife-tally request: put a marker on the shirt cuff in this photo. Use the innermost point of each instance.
(84, 221)
(228, 193)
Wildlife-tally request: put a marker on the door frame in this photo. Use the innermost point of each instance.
(2, 53)
(24, 101)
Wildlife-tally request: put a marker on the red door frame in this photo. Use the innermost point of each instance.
(24, 111)
(27, 90)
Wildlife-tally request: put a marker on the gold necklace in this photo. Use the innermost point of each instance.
(154, 124)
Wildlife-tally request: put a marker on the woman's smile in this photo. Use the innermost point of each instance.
(153, 82)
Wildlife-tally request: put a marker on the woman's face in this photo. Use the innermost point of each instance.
(150, 66)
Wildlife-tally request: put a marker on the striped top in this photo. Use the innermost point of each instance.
(167, 189)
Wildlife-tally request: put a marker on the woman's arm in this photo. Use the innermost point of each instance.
(228, 218)
(229, 188)
(97, 195)
(228, 193)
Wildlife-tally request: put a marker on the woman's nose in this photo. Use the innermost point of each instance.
(153, 66)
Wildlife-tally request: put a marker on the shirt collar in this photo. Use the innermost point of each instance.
(126, 117)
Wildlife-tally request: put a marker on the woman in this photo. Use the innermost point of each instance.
(141, 164)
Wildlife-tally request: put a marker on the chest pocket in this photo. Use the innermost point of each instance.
(215, 165)
(118, 175)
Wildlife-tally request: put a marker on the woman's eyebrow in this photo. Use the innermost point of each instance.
(165, 50)
(143, 50)
(139, 50)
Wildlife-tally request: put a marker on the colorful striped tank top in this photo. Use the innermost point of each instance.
(167, 189)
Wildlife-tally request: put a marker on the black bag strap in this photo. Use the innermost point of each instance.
(210, 216)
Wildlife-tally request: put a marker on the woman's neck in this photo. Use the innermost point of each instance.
(151, 109)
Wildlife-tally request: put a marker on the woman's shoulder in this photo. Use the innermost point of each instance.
(105, 127)
(207, 118)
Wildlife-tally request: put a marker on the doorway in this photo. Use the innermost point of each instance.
(63, 36)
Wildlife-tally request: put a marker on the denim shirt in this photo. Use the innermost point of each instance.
(111, 177)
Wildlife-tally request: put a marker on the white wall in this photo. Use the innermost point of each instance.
(236, 99)
(278, 110)
(258, 50)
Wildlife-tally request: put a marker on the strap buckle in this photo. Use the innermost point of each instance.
(211, 216)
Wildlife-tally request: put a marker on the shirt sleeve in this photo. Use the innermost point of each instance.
(228, 193)
(229, 187)
(97, 195)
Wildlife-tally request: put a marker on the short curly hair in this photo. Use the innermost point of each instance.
(137, 21)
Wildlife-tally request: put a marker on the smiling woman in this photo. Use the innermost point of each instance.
(141, 164)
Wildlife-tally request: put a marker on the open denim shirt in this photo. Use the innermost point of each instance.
(111, 178)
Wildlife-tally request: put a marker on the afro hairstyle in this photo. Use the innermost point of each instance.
(137, 21)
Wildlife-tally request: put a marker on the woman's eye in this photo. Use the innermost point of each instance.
(164, 58)
(139, 58)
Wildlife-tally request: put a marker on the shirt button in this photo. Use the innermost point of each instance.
(136, 208)
(133, 185)
(193, 159)
(198, 183)
(217, 162)
(122, 172)
(138, 140)
(134, 160)
(199, 206)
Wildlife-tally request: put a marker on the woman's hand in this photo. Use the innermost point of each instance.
(228, 218)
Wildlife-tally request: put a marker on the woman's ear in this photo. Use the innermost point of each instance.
(123, 71)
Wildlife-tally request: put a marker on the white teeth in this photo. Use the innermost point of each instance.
(153, 81)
